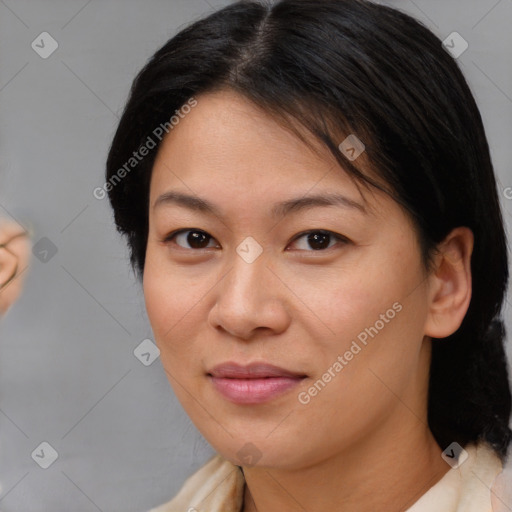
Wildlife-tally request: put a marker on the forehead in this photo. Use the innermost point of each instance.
(226, 144)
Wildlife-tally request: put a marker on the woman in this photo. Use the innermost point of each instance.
(309, 201)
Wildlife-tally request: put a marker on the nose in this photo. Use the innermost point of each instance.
(250, 299)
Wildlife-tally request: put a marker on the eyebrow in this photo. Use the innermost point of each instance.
(279, 210)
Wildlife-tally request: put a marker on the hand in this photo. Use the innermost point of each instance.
(14, 259)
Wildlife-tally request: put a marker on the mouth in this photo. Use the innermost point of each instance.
(254, 383)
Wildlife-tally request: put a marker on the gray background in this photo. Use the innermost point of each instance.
(68, 375)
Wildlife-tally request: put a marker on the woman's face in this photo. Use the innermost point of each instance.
(343, 310)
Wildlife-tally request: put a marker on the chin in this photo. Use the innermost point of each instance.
(262, 452)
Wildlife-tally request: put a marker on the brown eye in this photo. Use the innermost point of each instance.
(195, 238)
(319, 240)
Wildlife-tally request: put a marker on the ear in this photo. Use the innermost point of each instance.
(450, 284)
(14, 258)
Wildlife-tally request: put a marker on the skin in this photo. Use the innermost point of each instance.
(362, 443)
(17, 251)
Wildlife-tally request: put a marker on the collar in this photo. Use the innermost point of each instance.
(219, 485)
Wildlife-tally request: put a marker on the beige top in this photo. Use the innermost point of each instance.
(218, 486)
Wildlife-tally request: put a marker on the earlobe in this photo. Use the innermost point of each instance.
(450, 284)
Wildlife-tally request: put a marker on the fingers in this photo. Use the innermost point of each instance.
(15, 245)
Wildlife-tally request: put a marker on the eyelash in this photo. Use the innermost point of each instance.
(340, 238)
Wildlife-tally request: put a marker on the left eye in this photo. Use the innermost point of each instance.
(320, 239)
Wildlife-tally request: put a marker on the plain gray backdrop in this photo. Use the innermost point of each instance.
(68, 373)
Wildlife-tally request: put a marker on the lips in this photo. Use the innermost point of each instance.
(252, 371)
(254, 383)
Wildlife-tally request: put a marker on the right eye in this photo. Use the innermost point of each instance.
(196, 238)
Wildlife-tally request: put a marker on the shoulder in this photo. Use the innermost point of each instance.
(478, 478)
(217, 486)
(466, 487)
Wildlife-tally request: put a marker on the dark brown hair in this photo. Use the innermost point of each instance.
(370, 70)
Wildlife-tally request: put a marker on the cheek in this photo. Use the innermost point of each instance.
(175, 298)
(335, 305)
(171, 315)
(169, 304)
(372, 311)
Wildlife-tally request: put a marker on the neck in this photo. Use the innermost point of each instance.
(389, 470)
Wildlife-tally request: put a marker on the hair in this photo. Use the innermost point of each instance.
(346, 67)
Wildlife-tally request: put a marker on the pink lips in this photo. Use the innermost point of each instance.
(254, 383)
